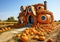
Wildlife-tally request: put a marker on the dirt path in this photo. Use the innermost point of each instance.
(9, 34)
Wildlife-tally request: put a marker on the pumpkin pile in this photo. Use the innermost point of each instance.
(46, 27)
(31, 33)
(3, 29)
(36, 33)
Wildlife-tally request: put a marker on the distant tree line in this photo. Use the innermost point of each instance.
(57, 21)
(9, 19)
(12, 19)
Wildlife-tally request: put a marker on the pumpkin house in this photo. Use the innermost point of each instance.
(33, 14)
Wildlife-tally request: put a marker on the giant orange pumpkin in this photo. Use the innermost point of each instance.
(35, 13)
(45, 17)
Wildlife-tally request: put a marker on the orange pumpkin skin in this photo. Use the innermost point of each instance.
(35, 20)
(50, 40)
(22, 15)
(9, 28)
(24, 19)
(18, 35)
(47, 20)
(39, 10)
(36, 12)
(32, 15)
(24, 38)
(1, 31)
(48, 15)
(42, 38)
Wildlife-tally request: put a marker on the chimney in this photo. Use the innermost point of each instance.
(45, 4)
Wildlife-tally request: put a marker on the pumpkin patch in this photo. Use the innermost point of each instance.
(38, 32)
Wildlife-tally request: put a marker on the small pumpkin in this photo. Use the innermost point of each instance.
(42, 38)
(3, 29)
(36, 37)
(24, 38)
(41, 34)
(6, 28)
(31, 33)
(50, 40)
(34, 31)
(26, 31)
(9, 28)
(18, 35)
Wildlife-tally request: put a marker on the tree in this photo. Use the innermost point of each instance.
(11, 19)
(55, 21)
(59, 21)
(0, 20)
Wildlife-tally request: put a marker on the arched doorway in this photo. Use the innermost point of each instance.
(30, 20)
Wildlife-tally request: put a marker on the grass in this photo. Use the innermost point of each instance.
(57, 23)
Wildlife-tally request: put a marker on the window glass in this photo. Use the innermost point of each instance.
(43, 18)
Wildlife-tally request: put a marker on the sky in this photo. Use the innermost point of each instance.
(12, 7)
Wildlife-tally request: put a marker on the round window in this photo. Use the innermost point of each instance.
(43, 17)
(38, 7)
(29, 10)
